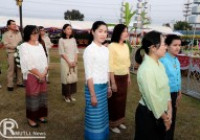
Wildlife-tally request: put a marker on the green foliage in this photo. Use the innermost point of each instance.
(73, 15)
(182, 25)
(128, 13)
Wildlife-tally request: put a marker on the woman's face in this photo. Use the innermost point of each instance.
(124, 35)
(174, 47)
(68, 31)
(35, 35)
(100, 34)
(42, 31)
(160, 52)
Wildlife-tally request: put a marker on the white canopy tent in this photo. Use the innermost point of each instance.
(79, 25)
(47, 23)
(162, 29)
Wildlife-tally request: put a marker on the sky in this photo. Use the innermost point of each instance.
(160, 11)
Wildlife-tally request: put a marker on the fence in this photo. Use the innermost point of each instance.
(190, 71)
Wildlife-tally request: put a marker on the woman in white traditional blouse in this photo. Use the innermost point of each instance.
(34, 68)
(96, 60)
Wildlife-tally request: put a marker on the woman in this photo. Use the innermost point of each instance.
(153, 114)
(172, 67)
(69, 59)
(120, 77)
(46, 43)
(96, 59)
(34, 68)
(41, 41)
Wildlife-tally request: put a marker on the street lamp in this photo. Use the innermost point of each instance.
(19, 3)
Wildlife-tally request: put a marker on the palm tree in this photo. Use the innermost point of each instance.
(129, 13)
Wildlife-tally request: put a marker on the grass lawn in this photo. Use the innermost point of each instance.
(66, 121)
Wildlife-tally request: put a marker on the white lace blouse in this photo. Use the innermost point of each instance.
(32, 57)
(96, 63)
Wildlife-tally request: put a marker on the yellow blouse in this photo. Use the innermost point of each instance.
(119, 58)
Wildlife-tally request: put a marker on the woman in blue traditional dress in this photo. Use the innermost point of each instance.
(97, 88)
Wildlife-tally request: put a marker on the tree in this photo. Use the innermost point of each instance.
(182, 25)
(73, 15)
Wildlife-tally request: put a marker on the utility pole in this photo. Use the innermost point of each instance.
(19, 3)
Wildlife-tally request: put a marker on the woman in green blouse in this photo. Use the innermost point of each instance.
(153, 114)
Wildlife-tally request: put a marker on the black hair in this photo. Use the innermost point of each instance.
(106, 42)
(95, 26)
(117, 32)
(63, 35)
(28, 30)
(171, 38)
(151, 38)
(40, 27)
(10, 21)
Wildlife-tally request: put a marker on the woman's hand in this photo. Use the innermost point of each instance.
(167, 124)
(178, 98)
(42, 77)
(129, 80)
(114, 87)
(74, 64)
(169, 113)
(93, 100)
(167, 121)
(70, 64)
(109, 92)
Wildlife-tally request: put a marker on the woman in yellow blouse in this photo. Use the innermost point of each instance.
(119, 61)
(154, 112)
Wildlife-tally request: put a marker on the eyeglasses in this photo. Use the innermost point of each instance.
(35, 32)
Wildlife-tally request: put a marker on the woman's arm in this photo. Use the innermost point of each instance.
(88, 65)
(39, 75)
(129, 79)
(109, 86)
(149, 90)
(93, 97)
(178, 98)
(75, 60)
(76, 55)
(64, 56)
(111, 69)
(113, 82)
(62, 52)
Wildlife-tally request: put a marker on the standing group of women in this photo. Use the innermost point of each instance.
(107, 78)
